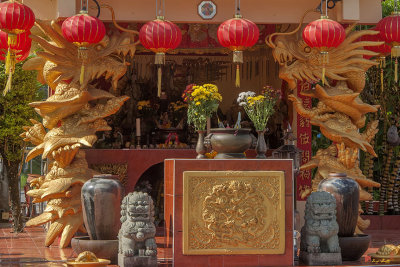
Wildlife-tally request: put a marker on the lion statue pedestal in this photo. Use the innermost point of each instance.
(319, 235)
(137, 245)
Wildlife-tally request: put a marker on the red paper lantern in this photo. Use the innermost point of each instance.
(83, 30)
(324, 34)
(160, 36)
(390, 32)
(20, 50)
(238, 34)
(15, 18)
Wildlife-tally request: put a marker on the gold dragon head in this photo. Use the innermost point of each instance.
(299, 62)
(59, 62)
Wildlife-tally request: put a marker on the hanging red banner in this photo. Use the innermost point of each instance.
(304, 143)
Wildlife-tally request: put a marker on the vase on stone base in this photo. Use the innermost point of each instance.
(346, 192)
(261, 146)
(101, 199)
(200, 147)
(101, 204)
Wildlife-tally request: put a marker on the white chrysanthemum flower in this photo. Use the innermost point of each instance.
(250, 93)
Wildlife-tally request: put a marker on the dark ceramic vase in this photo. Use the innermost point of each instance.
(101, 204)
(261, 146)
(347, 194)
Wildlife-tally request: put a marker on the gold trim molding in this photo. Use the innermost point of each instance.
(233, 212)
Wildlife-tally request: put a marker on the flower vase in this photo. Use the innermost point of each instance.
(261, 146)
(200, 147)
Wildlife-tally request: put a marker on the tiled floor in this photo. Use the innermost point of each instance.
(27, 249)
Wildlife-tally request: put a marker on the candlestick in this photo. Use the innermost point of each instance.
(137, 126)
(138, 142)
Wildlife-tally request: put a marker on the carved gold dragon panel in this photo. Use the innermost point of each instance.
(240, 212)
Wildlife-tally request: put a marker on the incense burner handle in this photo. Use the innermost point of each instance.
(253, 141)
(207, 141)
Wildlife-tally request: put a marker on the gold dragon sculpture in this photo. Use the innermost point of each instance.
(72, 117)
(340, 113)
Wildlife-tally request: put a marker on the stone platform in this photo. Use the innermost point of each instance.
(136, 261)
(323, 259)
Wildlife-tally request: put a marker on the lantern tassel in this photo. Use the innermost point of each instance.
(83, 56)
(237, 82)
(382, 63)
(82, 75)
(159, 60)
(12, 39)
(159, 78)
(8, 84)
(325, 60)
(10, 68)
(237, 58)
(8, 62)
(395, 52)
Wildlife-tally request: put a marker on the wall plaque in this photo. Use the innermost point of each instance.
(207, 9)
(233, 212)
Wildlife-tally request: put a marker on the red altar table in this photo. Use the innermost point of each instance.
(173, 174)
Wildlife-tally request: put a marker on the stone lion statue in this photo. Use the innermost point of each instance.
(137, 230)
(320, 231)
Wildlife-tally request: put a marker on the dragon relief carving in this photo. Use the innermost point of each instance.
(233, 213)
(72, 116)
(340, 113)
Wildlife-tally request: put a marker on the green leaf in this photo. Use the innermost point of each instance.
(14, 110)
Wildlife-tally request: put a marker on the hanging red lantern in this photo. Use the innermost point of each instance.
(20, 50)
(160, 36)
(238, 34)
(383, 50)
(15, 18)
(390, 32)
(324, 34)
(83, 31)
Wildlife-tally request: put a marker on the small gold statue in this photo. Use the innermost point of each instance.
(88, 259)
(87, 256)
(386, 254)
(388, 250)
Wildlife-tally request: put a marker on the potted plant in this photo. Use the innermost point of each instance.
(259, 109)
(203, 101)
